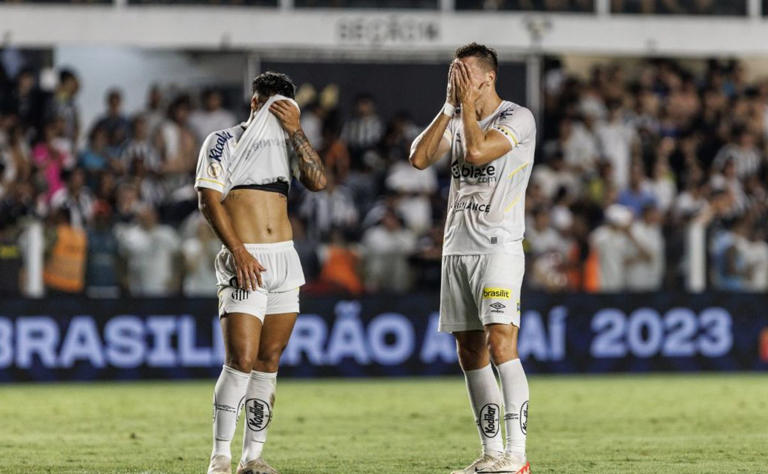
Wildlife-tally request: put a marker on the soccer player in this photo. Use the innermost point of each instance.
(491, 143)
(243, 178)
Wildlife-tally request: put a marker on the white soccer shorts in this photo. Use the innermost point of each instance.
(477, 290)
(280, 291)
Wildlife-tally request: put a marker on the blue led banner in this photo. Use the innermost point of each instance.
(79, 339)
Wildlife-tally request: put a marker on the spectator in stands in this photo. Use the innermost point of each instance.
(62, 105)
(645, 270)
(26, 101)
(150, 250)
(66, 246)
(176, 141)
(140, 147)
(340, 270)
(330, 208)
(198, 251)
(154, 113)
(50, 158)
(212, 116)
(638, 195)
(10, 254)
(75, 197)
(312, 119)
(113, 122)
(102, 274)
(334, 152)
(362, 132)
(95, 158)
(757, 259)
(617, 140)
(387, 247)
(614, 246)
(732, 269)
(744, 154)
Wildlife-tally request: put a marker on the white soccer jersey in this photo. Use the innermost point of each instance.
(486, 204)
(253, 153)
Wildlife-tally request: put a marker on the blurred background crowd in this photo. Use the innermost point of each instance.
(648, 176)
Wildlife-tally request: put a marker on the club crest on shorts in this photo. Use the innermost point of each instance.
(489, 420)
(258, 414)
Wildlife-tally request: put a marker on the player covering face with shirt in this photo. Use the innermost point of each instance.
(243, 178)
(490, 145)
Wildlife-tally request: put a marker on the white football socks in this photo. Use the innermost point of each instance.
(485, 398)
(227, 399)
(259, 400)
(514, 386)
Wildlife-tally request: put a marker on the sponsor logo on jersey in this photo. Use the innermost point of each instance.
(217, 150)
(524, 418)
(214, 169)
(497, 307)
(258, 414)
(489, 420)
(497, 293)
(469, 205)
(479, 174)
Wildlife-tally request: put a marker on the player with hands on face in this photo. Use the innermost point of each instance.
(490, 143)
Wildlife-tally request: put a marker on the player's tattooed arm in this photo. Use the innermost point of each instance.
(310, 165)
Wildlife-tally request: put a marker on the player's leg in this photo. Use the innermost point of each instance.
(483, 390)
(240, 332)
(260, 395)
(500, 313)
(458, 315)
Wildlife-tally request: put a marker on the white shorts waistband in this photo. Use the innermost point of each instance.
(273, 247)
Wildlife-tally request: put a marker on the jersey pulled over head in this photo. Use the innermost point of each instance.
(254, 154)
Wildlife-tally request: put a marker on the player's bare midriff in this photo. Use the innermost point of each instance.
(258, 217)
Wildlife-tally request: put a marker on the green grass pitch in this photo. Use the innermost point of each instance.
(604, 424)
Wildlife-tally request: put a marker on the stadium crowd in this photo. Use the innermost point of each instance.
(629, 163)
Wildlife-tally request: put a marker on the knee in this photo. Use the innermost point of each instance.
(472, 357)
(242, 362)
(502, 345)
(269, 357)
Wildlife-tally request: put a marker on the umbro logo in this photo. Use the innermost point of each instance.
(497, 306)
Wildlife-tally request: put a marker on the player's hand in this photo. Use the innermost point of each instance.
(288, 115)
(248, 270)
(467, 89)
(450, 88)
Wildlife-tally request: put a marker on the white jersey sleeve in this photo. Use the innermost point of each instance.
(212, 162)
(517, 125)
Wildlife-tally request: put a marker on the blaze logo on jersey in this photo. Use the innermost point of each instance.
(483, 174)
(488, 418)
(258, 414)
(497, 293)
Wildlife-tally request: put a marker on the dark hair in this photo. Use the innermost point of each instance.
(270, 83)
(481, 51)
(66, 74)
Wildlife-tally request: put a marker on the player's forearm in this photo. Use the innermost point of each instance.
(219, 221)
(424, 151)
(310, 164)
(473, 135)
